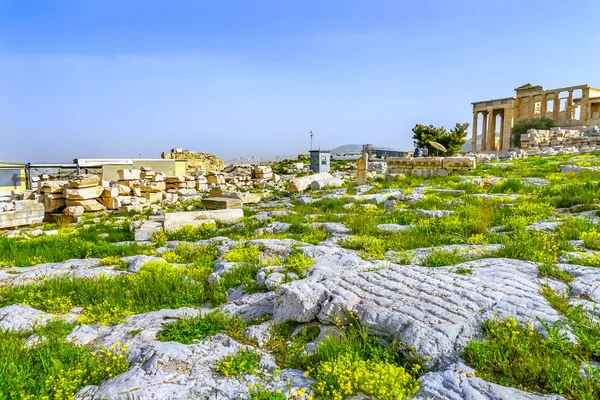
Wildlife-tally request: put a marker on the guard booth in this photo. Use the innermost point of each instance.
(320, 161)
(12, 177)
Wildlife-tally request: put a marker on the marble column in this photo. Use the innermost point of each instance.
(484, 131)
(474, 139)
(491, 134)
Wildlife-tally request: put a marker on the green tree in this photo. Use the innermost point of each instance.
(529, 123)
(452, 140)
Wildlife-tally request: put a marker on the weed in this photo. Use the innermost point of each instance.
(348, 374)
(290, 351)
(191, 233)
(55, 368)
(530, 245)
(315, 236)
(159, 238)
(298, 263)
(186, 253)
(440, 258)
(552, 271)
(464, 271)
(23, 252)
(245, 362)
(591, 239)
(512, 355)
(191, 329)
(243, 254)
(109, 299)
(257, 392)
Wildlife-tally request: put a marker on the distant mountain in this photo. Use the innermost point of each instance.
(354, 148)
(467, 147)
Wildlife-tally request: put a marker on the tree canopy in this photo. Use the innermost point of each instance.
(452, 140)
(529, 123)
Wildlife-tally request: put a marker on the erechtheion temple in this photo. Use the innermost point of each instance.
(568, 107)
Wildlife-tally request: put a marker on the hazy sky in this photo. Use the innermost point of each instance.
(112, 78)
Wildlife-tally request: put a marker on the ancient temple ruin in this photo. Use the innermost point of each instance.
(568, 107)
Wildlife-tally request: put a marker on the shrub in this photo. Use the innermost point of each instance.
(243, 254)
(591, 240)
(298, 263)
(191, 329)
(259, 393)
(315, 236)
(159, 238)
(186, 253)
(348, 374)
(245, 362)
(524, 125)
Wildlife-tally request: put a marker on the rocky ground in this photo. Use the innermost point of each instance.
(429, 269)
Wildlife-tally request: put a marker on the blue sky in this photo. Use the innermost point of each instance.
(111, 78)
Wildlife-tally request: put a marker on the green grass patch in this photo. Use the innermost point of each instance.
(517, 356)
(245, 362)
(191, 329)
(21, 252)
(54, 368)
(108, 300)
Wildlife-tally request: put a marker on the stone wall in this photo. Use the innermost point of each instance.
(428, 166)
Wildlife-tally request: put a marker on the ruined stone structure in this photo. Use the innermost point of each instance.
(569, 107)
(362, 167)
(427, 166)
(204, 161)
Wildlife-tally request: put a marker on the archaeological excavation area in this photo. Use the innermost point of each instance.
(464, 277)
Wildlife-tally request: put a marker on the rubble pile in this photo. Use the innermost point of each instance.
(561, 141)
(20, 208)
(427, 166)
(245, 176)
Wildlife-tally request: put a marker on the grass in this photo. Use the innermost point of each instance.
(582, 323)
(530, 245)
(354, 361)
(108, 300)
(517, 356)
(441, 258)
(290, 351)
(21, 252)
(186, 253)
(189, 233)
(192, 329)
(54, 368)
